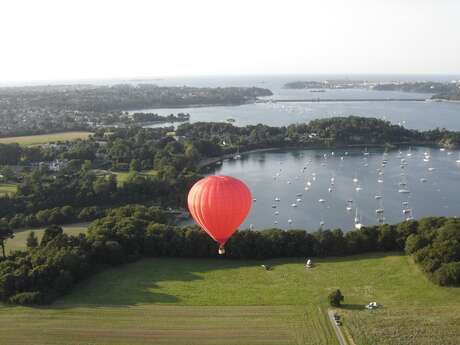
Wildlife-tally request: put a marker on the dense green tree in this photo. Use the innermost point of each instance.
(5, 233)
(335, 298)
(32, 240)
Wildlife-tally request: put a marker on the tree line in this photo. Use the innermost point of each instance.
(51, 267)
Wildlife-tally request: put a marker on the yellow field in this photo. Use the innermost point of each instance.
(45, 138)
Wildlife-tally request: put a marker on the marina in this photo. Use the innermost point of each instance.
(311, 189)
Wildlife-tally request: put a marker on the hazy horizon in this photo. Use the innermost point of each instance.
(83, 40)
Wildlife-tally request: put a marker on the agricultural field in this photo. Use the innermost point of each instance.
(31, 140)
(18, 242)
(7, 188)
(412, 326)
(193, 301)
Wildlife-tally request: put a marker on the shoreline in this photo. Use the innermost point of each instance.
(213, 160)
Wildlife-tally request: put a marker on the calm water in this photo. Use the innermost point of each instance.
(285, 174)
(419, 115)
(434, 192)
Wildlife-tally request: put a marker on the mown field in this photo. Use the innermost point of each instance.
(45, 138)
(7, 188)
(180, 301)
(18, 242)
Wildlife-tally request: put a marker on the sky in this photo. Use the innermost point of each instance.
(99, 39)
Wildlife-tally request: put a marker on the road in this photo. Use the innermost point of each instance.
(337, 330)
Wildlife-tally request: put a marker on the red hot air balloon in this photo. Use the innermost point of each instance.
(219, 204)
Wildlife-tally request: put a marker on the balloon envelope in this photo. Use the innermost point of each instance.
(219, 204)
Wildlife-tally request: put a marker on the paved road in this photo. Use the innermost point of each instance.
(338, 331)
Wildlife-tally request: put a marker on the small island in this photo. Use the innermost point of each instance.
(441, 91)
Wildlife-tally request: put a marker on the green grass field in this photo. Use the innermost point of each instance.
(8, 188)
(45, 138)
(19, 240)
(192, 301)
(123, 176)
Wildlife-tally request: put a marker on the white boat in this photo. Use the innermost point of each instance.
(276, 213)
(377, 197)
(379, 210)
(355, 180)
(358, 189)
(289, 221)
(407, 210)
(358, 225)
(405, 203)
(404, 191)
(423, 179)
(349, 208)
(329, 190)
(306, 188)
(298, 194)
(380, 181)
(431, 169)
(298, 200)
(277, 199)
(294, 205)
(254, 199)
(322, 201)
(321, 223)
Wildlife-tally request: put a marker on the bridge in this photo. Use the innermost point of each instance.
(316, 100)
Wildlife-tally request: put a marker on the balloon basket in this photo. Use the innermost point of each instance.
(221, 250)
